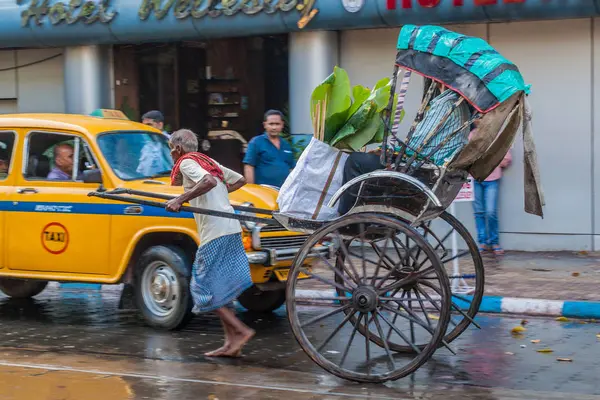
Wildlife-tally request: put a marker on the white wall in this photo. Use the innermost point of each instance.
(32, 88)
(556, 58)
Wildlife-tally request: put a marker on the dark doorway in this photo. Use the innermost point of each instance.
(276, 73)
(193, 101)
(171, 80)
(157, 66)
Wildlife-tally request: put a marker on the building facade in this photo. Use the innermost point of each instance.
(76, 56)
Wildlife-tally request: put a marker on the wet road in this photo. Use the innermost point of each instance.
(76, 345)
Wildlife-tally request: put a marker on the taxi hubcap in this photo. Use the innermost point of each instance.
(160, 288)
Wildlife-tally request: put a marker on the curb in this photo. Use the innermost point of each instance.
(513, 305)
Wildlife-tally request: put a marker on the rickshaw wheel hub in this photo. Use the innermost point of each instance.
(365, 299)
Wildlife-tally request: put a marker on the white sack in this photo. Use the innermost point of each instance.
(303, 189)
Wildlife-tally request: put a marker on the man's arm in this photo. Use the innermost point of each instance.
(237, 185)
(250, 160)
(205, 185)
(507, 160)
(233, 180)
(248, 173)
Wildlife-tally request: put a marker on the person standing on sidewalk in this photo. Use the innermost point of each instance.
(221, 271)
(155, 119)
(485, 207)
(269, 159)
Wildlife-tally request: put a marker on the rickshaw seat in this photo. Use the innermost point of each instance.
(385, 174)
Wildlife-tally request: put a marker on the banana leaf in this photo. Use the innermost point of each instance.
(381, 94)
(366, 125)
(361, 120)
(360, 95)
(366, 134)
(337, 90)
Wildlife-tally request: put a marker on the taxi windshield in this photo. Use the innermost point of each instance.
(136, 154)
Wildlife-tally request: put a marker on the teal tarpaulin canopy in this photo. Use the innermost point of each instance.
(467, 65)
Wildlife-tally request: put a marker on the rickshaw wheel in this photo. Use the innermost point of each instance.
(459, 319)
(366, 296)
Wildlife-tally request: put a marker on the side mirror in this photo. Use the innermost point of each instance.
(92, 176)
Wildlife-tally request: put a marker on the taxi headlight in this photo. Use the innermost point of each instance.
(249, 225)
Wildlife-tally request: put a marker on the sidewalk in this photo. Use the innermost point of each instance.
(547, 275)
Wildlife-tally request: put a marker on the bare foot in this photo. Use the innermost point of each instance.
(238, 342)
(220, 352)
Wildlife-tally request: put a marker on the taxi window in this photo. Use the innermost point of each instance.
(136, 154)
(57, 157)
(7, 142)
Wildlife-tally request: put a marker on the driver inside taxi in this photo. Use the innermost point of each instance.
(63, 164)
(3, 166)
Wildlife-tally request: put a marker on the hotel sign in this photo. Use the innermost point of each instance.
(91, 11)
(197, 9)
(70, 12)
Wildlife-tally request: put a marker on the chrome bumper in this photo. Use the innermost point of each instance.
(270, 257)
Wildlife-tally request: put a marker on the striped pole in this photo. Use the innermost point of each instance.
(401, 98)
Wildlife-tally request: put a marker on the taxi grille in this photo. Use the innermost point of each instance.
(272, 228)
(285, 242)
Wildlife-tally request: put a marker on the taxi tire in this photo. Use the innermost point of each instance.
(22, 288)
(256, 300)
(177, 259)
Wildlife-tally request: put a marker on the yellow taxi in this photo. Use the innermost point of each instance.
(51, 230)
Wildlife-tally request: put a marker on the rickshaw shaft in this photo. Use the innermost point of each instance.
(168, 197)
(195, 210)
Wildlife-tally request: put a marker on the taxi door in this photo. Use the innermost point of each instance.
(55, 228)
(7, 173)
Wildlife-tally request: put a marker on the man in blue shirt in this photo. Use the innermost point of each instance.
(269, 159)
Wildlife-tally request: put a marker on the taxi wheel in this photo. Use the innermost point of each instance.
(162, 287)
(260, 301)
(21, 288)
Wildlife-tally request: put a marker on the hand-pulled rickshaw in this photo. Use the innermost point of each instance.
(387, 278)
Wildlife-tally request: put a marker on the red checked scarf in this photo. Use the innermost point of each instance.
(205, 162)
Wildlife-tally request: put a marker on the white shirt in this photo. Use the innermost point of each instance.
(209, 227)
(151, 159)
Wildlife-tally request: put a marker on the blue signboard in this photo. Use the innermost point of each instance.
(28, 23)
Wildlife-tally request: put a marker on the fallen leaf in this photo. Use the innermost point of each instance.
(545, 351)
(433, 317)
(598, 336)
(536, 341)
(575, 274)
(562, 319)
(518, 329)
(564, 359)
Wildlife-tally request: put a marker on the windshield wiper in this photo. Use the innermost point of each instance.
(160, 174)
